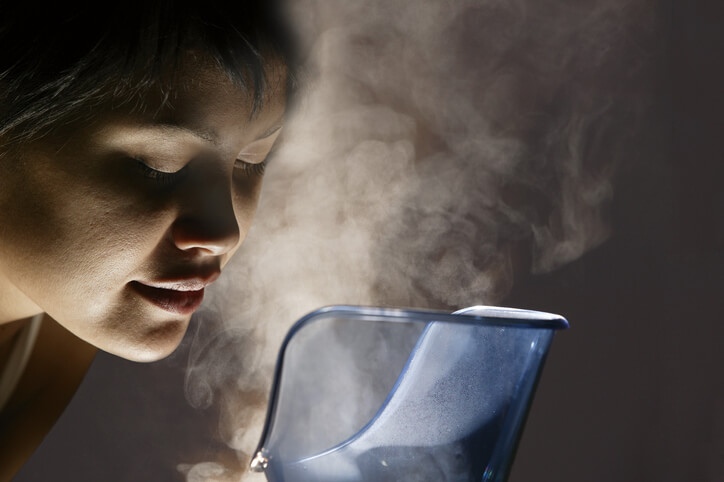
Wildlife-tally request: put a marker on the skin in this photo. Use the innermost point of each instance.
(82, 220)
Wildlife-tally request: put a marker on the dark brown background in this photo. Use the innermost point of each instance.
(634, 391)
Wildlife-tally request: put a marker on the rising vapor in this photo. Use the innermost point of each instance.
(437, 149)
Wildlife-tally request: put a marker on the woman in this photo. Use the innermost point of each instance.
(132, 148)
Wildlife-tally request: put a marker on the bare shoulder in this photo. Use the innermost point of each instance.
(55, 369)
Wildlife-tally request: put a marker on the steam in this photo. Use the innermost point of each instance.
(438, 149)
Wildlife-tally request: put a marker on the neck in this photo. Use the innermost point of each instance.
(14, 305)
(8, 332)
(55, 369)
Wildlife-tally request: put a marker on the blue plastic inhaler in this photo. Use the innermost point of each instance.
(378, 394)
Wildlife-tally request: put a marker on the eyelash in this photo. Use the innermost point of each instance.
(168, 178)
(160, 177)
(251, 169)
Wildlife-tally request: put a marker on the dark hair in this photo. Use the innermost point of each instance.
(60, 62)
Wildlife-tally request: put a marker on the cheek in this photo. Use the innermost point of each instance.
(77, 236)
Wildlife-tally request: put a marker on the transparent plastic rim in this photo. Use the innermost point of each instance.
(484, 315)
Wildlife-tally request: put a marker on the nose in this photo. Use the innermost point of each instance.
(207, 224)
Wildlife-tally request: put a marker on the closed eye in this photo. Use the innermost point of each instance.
(262, 148)
(250, 168)
(161, 177)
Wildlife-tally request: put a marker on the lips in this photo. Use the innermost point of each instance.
(180, 296)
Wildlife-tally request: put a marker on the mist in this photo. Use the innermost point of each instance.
(436, 152)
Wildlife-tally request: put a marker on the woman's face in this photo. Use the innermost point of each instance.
(115, 231)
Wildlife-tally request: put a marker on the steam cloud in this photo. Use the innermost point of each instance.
(437, 149)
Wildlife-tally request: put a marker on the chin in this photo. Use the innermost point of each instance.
(155, 345)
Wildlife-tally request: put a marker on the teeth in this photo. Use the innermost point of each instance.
(186, 286)
(193, 283)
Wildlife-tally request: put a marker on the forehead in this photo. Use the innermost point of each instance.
(197, 71)
(203, 102)
(200, 87)
(198, 76)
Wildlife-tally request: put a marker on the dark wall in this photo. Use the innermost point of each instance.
(634, 391)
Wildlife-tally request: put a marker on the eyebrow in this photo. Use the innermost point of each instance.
(211, 137)
(204, 136)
